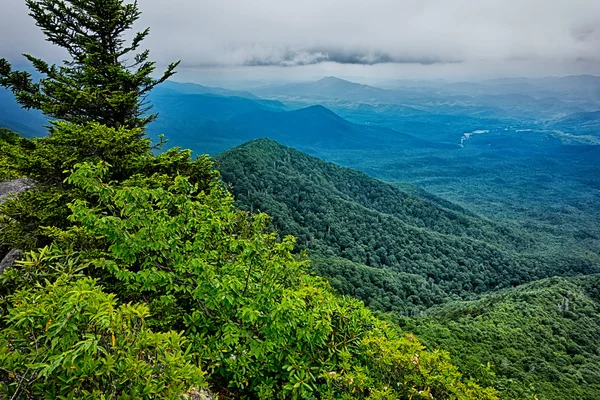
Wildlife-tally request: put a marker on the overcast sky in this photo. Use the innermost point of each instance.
(375, 39)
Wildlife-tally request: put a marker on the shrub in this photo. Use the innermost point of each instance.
(69, 339)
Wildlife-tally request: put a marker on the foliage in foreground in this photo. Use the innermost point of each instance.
(70, 339)
(258, 324)
(48, 162)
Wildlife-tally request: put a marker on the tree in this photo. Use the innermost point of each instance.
(48, 161)
(99, 83)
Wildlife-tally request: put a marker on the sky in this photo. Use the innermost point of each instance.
(368, 40)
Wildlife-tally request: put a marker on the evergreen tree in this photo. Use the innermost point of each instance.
(105, 80)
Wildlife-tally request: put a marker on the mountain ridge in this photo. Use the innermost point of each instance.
(337, 212)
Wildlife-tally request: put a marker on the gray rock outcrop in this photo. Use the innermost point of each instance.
(199, 394)
(9, 259)
(16, 186)
(8, 189)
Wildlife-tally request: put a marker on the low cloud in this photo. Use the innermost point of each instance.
(293, 58)
(350, 33)
(285, 58)
(585, 32)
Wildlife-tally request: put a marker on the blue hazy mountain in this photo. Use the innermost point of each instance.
(545, 98)
(420, 109)
(328, 87)
(213, 119)
(212, 124)
(12, 116)
(194, 88)
(582, 123)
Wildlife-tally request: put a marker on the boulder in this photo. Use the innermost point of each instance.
(9, 259)
(16, 186)
(199, 394)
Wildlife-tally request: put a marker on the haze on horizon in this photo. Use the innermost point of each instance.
(272, 40)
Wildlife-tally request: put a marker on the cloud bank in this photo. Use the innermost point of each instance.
(286, 33)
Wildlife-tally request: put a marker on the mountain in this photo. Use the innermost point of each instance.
(195, 107)
(539, 338)
(193, 118)
(585, 86)
(519, 104)
(332, 88)
(338, 212)
(174, 101)
(314, 127)
(194, 88)
(328, 87)
(536, 99)
(211, 120)
(12, 116)
(209, 123)
(581, 123)
(381, 289)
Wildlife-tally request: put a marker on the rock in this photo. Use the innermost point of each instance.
(8, 189)
(13, 187)
(9, 259)
(199, 394)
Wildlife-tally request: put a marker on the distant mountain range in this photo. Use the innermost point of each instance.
(328, 87)
(572, 86)
(582, 123)
(546, 98)
(211, 123)
(401, 106)
(194, 88)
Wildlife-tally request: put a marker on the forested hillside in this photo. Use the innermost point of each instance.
(415, 256)
(538, 338)
(337, 212)
(381, 289)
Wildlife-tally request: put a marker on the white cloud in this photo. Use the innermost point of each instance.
(210, 33)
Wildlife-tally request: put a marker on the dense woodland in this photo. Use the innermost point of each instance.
(381, 289)
(540, 338)
(337, 212)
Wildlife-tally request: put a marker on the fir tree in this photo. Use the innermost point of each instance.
(105, 80)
